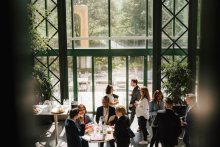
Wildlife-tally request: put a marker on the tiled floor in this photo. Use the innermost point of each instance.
(46, 134)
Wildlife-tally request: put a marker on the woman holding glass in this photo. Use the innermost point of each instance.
(112, 100)
(121, 133)
(142, 112)
(155, 105)
(87, 120)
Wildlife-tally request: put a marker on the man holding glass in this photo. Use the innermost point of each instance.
(135, 96)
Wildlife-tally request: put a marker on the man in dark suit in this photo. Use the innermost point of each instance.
(189, 121)
(169, 125)
(106, 112)
(73, 132)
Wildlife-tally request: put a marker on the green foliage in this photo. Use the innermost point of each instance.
(43, 84)
(37, 42)
(177, 82)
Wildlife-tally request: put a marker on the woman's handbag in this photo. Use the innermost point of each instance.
(130, 132)
(150, 120)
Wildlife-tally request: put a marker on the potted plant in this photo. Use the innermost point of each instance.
(176, 83)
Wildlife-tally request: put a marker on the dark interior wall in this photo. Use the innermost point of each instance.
(17, 123)
(209, 87)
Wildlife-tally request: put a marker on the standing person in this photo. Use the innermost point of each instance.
(155, 105)
(121, 133)
(135, 96)
(142, 112)
(73, 132)
(86, 119)
(106, 112)
(169, 125)
(112, 100)
(189, 121)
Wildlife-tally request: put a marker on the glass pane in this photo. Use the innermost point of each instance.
(84, 81)
(136, 71)
(150, 18)
(126, 44)
(91, 44)
(150, 74)
(90, 18)
(197, 77)
(101, 79)
(42, 60)
(70, 77)
(68, 23)
(128, 17)
(119, 78)
(198, 24)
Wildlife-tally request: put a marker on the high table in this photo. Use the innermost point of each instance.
(107, 138)
(43, 111)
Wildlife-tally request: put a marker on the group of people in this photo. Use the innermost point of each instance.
(166, 124)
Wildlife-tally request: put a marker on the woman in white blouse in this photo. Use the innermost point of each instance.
(142, 112)
(112, 101)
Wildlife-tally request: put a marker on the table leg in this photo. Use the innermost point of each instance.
(99, 144)
(56, 142)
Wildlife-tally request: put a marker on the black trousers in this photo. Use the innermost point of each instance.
(164, 145)
(111, 142)
(190, 141)
(142, 123)
(84, 143)
(155, 138)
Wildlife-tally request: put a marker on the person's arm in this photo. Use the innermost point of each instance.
(118, 127)
(74, 130)
(133, 98)
(112, 104)
(151, 104)
(88, 119)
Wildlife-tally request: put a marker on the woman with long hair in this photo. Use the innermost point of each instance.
(142, 112)
(155, 105)
(109, 92)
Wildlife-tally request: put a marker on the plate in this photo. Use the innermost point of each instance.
(57, 110)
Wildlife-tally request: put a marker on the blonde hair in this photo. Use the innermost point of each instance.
(145, 94)
(121, 108)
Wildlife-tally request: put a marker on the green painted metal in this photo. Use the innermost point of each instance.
(109, 23)
(127, 82)
(75, 78)
(145, 70)
(72, 22)
(110, 70)
(146, 23)
(93, 86)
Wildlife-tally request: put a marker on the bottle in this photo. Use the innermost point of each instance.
(64, 102)
(100, 124)
(104, 129)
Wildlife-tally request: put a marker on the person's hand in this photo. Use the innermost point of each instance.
(108, 123)
(130, 94)
(81, 118)
(180, 118)
(113, 127)
(136, 104)
(86, 131)
(116, 102)
(130, 105)
(182, 124)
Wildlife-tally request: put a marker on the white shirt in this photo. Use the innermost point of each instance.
(105, 114)
(143, 108)
(111, 99)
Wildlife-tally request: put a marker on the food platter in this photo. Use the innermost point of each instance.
(58, 110)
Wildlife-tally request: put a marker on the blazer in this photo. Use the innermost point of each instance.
(153, 108)
(121, 133)
(99, 112)
(73, 133)
(190, 120)
(136, 95)
(87, 118)
(169, 127)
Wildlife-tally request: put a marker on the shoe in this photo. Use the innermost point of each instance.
(148, 136)
(143, 142)
(138, 129)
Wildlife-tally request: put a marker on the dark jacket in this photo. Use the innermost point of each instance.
(190, 120)
(121, 133)
(99, 112)
(73, 133)
(169, 127)
(87, 118)
(136, 95)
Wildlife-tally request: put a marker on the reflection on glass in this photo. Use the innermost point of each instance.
(84, 81)
(91, 44)
(125, 44)
(101, 79)
(136, 71)
(70, 77)
(150, 74)
(197, 77)
(119, 78)
(150, 18)
(55, 75)
(43, 61)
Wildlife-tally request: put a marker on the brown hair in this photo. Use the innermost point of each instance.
(145, 94)
(108, 89)
(73, 112)
(81, 105)
(156, 94)
(121, 108)
(134, 81)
